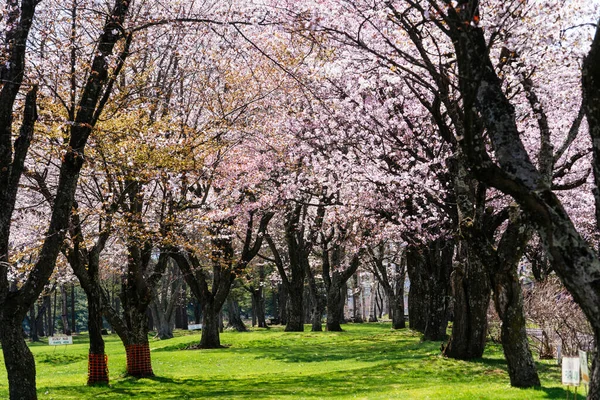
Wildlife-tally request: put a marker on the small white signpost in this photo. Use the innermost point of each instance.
(194, 327)
(58, 340)
(570, 372)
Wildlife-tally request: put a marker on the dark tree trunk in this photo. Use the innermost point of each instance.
(150, 318)
(429, 269)
(19, 362)
(97, 360)
(73, 312)
(373, 301)
(381, 301)
(335, 283)
(343, 302)
(258, 309)
(508, 299)
(471, 291)
(316, 308)
(52, 316)
(253, 301)
(65, 311)
(397, 309)
(43, 312)
(295, 308)
(335, 313)
(135, 338)
(439, 264)
(233, 312)
(282, 303)
(356, 299)
(417, 294)
(163, 320)
(470, 278)
(197, 311)
(181, 317)
(509, 304)
(33, 324)
(211, 324)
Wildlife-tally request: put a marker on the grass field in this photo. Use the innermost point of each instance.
(367, 361)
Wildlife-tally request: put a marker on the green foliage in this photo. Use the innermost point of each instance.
(367, 361)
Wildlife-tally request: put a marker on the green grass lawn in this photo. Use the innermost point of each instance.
(367, 361)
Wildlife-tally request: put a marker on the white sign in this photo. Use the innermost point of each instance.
(57, 340)
(583, 363)
(193, 327)
(570, 371)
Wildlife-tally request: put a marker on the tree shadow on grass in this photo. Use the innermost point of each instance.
(542, 368)
(360, 383)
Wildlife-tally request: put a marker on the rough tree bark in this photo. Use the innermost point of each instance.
(316, 304)
(430, 266)
(470, 279)
(234, 315)
(258, 306)
(508, 299)
(335, 279)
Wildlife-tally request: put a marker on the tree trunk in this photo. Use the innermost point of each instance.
(429, 269)
(439, 264)
(316, 310)
(509, 304)
(471, 290)
(356, 299)
(470, 278)
(417, 294)
(335, 312)
(73, 313)
(33, 325)
(163, 321)
(64, 314)
(335, 282)
(181, 317)
(197, 311)
(258, 310)
(210, 338)
(235, 319)
(19, 362)
(97, 359)
(282, 302)
(373, 301)
(137, 347)
(397, 309)
(52, 316)
(295, 308)
(508, 299)
(253, 301)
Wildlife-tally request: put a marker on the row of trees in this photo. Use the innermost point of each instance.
(208, 139)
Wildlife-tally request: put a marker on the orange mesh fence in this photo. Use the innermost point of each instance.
(138, 360)
(97, 368)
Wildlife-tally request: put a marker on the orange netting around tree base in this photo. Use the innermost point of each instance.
(138, 360)
(97, 368)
